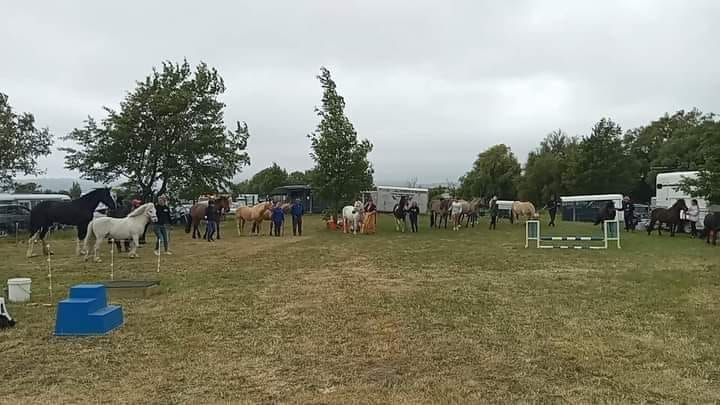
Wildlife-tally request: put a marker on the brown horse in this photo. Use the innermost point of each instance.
(669, 216)
(257, 213)
(197, 214)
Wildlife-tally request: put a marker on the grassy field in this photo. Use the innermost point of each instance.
(438, 316)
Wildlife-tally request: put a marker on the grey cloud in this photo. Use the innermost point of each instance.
(431, 84)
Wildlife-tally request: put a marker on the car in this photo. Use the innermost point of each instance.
(13, 217)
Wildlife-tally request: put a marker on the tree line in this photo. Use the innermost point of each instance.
(605, 160)
(169, 136)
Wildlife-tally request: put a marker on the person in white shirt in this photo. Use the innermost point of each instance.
(456, 209)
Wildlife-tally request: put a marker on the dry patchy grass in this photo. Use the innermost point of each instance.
(438, 317)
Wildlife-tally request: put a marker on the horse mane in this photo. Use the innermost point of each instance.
(93, 193)
(139, 210)
(678, 203)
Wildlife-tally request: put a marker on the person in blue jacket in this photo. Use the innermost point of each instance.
(278, 218)
(297, 211)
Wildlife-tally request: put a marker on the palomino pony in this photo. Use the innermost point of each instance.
(255, 214)
(130, 227)
(78, 212)
(669, 216)
(352, 213)
(197, 213)
(268, 217)
(525, 209)
(439, 212)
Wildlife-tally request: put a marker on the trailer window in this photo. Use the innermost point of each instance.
(659, 186)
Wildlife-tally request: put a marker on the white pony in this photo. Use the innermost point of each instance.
(352, 213)
(130, 227)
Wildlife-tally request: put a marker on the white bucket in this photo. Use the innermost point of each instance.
(19, 289)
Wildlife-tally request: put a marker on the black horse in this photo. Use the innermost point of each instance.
(77, 212)
(606, 213)
(669, 216)
(400, 212)
(712, 226)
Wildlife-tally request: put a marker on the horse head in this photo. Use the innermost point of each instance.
(100, 195)
(147, 209)
(680, 205)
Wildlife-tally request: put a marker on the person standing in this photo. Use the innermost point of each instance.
(493, 212)
(211, 216)
(628, 209)
(278, 217)
(413, 212)
(552, 207)
(370, 216)
(160, 227)
(456, 209)
(693, 215)
(297, 212)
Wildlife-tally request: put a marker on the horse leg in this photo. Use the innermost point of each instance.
(96, 249)
(133, 248)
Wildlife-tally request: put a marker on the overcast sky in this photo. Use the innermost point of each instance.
(431, 84)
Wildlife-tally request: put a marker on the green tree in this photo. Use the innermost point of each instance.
(75, 190)
(300, 178)
(602, 164)
(27, 188)
(672, 142)
(707, 185)
(342, 168)
(546, 171)
(496, 171)
(264, 181)
(169, 134)
(21, 143)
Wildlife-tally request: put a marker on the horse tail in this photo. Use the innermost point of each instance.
(90, 232)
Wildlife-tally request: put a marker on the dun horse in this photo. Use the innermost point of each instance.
(439, 211)
(78, 212)
(525, 209)
(669, 216)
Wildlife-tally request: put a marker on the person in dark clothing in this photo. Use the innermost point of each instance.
(278, 217)
(413, 212)
(160, 227)
(628, 209)
(297, 211)
(211, 216)
(493, 212)
(552, 207)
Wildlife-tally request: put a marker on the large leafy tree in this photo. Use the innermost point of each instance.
(27, 188)
(672, 142)
(707, 185)
(169, 134)
(495, 172)
(546, 172)
(21, 143)
(342, 168)
(602, 164)
(264, 181)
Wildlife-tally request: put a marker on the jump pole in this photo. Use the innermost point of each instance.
(49, 265)
(112, 259)
(611, 232)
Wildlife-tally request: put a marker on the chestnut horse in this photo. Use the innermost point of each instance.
(197, 214)
(256, 214)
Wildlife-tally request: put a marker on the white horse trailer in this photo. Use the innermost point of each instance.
(667, 192)
(386, 197)
(29, 201)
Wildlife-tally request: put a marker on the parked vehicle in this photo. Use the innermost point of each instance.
(13, 217)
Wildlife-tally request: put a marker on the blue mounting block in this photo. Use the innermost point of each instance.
(85, 312)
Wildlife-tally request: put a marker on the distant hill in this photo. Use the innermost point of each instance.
(57, 184)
